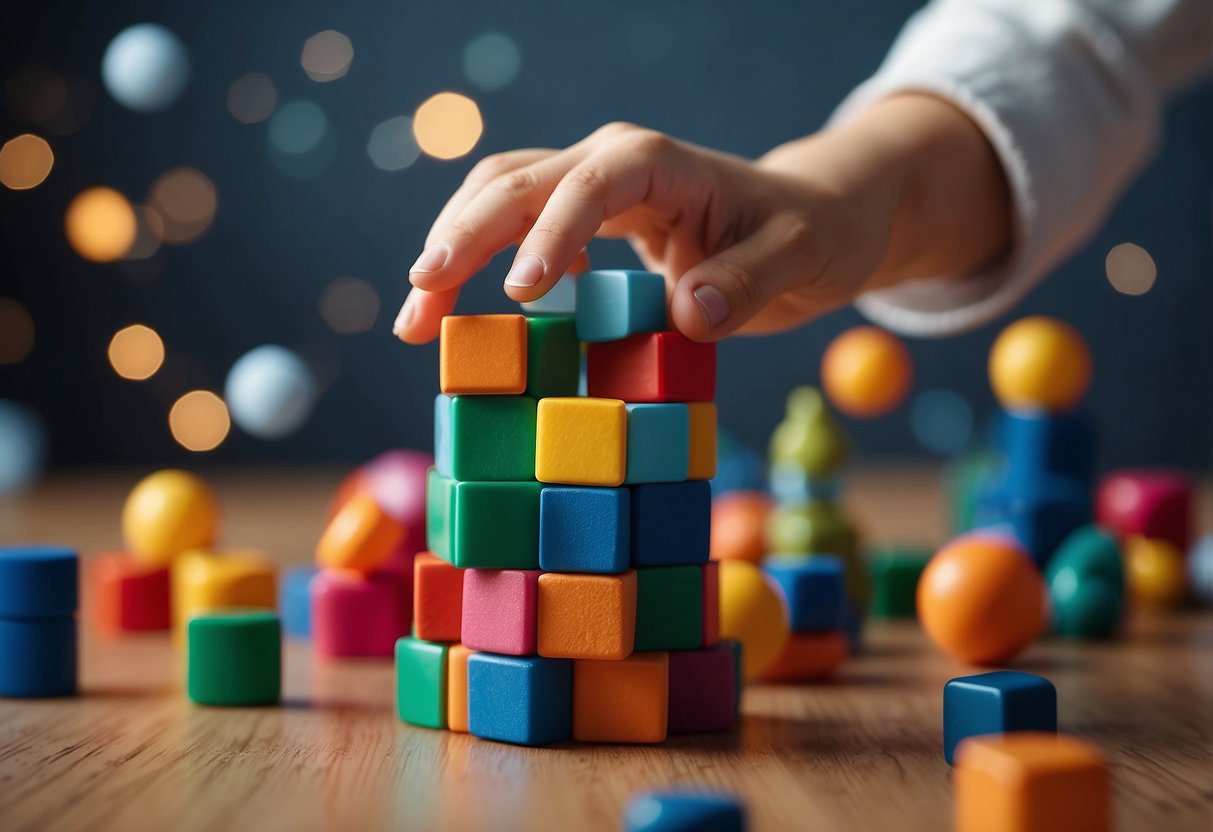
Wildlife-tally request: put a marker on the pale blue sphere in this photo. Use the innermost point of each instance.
(270, 392)
(145, 67)
(22, 446)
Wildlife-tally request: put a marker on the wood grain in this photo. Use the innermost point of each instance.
(860, 752)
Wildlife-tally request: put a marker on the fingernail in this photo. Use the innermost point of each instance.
(432, 259)
(713, 303)
(403, 317)
(526, 272)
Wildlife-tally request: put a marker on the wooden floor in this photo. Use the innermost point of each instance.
(861, 752)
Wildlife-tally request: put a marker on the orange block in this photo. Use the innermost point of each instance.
(457, 688)
(437, 599)
(808, 656)
(586, 616)
(703, 441)
(482, 355)
(1030, 782)
(622, 701)
(360, 537)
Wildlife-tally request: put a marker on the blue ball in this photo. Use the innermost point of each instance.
(22, 446)
(270, 392)
(145, 67)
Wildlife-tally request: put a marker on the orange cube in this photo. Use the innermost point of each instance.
(482, 355)
(437, 599)
(622, 701)
(809, 656)
(360, 537)
(1030, 782)
(457, 688)
(703, 441)
(586, 616)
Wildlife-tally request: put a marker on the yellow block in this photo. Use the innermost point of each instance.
(582, 441)
(703, 441)
(204, 580)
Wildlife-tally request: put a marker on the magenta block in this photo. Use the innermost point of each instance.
(1154, 503)
(499, 610)
(702, 690)
(354, 615)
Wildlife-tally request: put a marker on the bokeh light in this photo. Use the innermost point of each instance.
(392, 146)
(136, 352)
(326, 56)
(270, 391)
(25, 162)
(16, 331)
(252, 98)
(1130, 269)
(349, 305)
(186, 201)
(199, 421)
(491, 61)
(145, 67)
(35, 93)
(100, 224)
(941, 421)
(447, 125)
(301, 143)
(22, 446)
(149, 233)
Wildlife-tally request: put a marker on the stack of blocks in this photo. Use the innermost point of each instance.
(567, 591)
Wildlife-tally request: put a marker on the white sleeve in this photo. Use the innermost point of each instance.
(1069, 95)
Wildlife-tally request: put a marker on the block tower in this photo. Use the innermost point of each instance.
(567, 591)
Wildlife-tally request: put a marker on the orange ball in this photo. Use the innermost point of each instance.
(866, 372)
(739, 525)
(981, 599)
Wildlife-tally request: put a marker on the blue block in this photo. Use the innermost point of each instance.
(1041, 515)
(671, 523)
(1041, 446)
(295, 601)
(38, 581)
(996, 703)
(659, 442)
(585, 529)
(815, 592)
(525, 700)
(788, 483)
(37, 656)
(616, 303)
(684, 812)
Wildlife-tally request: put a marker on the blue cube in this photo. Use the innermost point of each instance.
(525, 700)
(37, 657)
(1040, 513)
(671, 523)
(616, 303)
(996, 703)
(659, 443)
(584, 529)
(1041, 445)
(295, 601)
(815, 591)
(684, 812)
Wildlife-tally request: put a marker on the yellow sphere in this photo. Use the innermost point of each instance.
(1155, 572)
(752, 612)
(866, 372)
(1040, 363)
(167, 513)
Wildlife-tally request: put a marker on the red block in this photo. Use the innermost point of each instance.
(652, 367)
(130, 596)
(356, 615)
(437, 599)
(500, 610)
(1147, 503)
(809, 656)
(711, 603)
(702, 690)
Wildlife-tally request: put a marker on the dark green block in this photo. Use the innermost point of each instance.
(483, 525)
(553, 357)
(492, 438)
(234, 658)
(669, 608)
(421, 676)
(895, 574)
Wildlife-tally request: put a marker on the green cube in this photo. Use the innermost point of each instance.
(485, 437)
(234, 658)
(669, 608)
(895, 574)
(553, 357)
(421, 676)
(483, 525)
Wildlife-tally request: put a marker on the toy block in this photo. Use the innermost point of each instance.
(669, 608)
(482, 355)
(1155, 572)
(996, 703)
(234, 657)
(38, 581)
(129, 595)
(1037, 446)
(814, 591)
(701, 690)
(204, 581)
(671, 523)
(815, 527)
(790, 483)
(561, 299)
(615, 303)
(655, 367)
(585, 529)
(1030, 782)
(658, 443)
(553, 357)
(359, 537)
(499, 610)
(457, 688)
(521, 700)
(807, 657)
(711, 603)
(483, 525)
(587, 616)
(622, 701)
(684, 812)
(484, 438)
(357, 615)
(1086, 580)
(582, 441)
(295, 601)
(437, 599)
(966, 478)
(421, 682)
(701, 464)
(1147, 503)
(38, 656)
(1039, 517)
(895, 574)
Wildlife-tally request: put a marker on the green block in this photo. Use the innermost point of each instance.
(234, 658)
(483, 525)
(491, 438)
(895, 574)
(421, 682)
(553, 363)
(669, 608)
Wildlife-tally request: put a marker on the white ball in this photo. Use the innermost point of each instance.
(1200, 570)
(22, 446)
(270, 392)
(145, 67)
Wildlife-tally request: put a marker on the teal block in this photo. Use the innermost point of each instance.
(659, 443)
(421, 678)
(613, 304)
(483, 525)
(561, 299)
(485, 438)
(669, 608)
(553, 357)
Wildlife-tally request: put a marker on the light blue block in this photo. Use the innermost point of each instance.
(444, 456)
(616, 303)
(561, 299)
(789, 483)
(659, 442)
(295, 601)
(525, 700)
(684, 812)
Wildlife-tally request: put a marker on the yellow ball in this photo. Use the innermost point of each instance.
(168, 513)
(1040, 363)
(866, 372)
(752, 612)
(1155, 572)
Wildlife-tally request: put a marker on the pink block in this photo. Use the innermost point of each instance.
(711, 603)
(1148, 503)
(354, 615)
(499, 610)
(702, 690)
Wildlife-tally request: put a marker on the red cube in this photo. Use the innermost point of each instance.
(652, 367)
(437, 599)
(1147, 503)
(130, 596)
